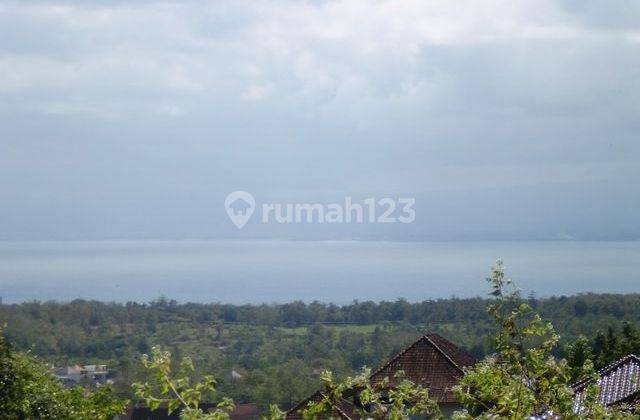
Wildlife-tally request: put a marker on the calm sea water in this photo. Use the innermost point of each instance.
(278, 271)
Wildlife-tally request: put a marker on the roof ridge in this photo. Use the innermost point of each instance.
(619, 362)
(606, 370)
(431, 342)
(298, 407)
(340, 410)
(442, 351)
(397, 356)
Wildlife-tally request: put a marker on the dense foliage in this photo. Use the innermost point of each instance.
(176, 387)
(375, 401)
(29, 391)
(279, 351)
(522, 377)
(295, 314)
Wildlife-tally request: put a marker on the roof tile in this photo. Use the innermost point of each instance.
(619, 383)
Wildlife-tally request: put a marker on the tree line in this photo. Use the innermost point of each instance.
(298, 313)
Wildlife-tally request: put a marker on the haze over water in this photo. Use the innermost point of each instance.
(281, 271)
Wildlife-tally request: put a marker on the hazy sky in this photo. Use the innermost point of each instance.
(504, 119)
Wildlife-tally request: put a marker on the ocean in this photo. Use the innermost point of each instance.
(329, 271)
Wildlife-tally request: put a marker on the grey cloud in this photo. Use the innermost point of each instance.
(135, 119)
(611, 15)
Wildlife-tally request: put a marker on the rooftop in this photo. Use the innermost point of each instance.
(619, 383)
(431, 361)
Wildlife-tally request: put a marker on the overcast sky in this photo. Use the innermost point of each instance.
(515, 120)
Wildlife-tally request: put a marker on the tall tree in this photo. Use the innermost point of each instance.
(522, 378)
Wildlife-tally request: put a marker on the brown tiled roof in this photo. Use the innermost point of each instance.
(619, 383)
(432, 362)
(345, 409)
